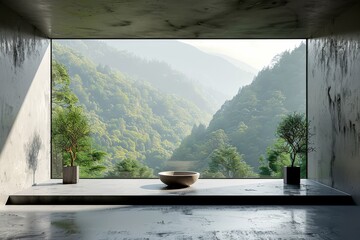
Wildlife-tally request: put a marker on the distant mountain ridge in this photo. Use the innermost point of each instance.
(158, 73)
(244, 66)
(208, 69)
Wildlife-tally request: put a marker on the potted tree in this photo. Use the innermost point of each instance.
(293, 129)
(71, 133)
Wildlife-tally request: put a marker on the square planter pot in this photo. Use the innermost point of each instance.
(292, 175)
(71, 175)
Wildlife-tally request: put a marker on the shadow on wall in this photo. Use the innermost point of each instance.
(22, 48)
(32, 152)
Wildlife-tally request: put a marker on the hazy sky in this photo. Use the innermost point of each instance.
(256, 53)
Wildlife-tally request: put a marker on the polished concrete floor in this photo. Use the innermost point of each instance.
(165, 221)
(179, 222)
(203, 192)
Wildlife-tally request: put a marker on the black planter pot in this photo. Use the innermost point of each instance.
(292, 175)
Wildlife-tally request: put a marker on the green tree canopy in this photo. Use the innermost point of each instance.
(61, 93)
(229, 162)
(276, 159)
(71, 131)
(293, 130)
(130, 168)
(291, 146)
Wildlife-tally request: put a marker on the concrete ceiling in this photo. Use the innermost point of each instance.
(179, 18)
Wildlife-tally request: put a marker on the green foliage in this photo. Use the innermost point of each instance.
(70, 128)
(282, 161)
(276, 160)
(130, 168)
(194, 148)
(289, 147)
(92, 163)
(62, 96)
(293, 130)
(227, 162)
(71, 131)
(264, 169)
(71, 137)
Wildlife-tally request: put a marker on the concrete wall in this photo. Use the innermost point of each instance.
(24, 105)
(334, 103)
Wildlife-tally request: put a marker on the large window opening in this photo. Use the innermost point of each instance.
(133, 108)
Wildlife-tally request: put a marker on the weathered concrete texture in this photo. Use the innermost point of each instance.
(24, 105)
(334, 105)
(179, 19)
(180, 222)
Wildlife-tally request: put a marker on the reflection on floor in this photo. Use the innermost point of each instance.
(203, 192)
(179, 222)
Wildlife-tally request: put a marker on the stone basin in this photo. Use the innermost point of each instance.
(179, 178)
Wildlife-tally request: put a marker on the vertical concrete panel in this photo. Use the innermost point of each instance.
(24, 105)
(334, 106)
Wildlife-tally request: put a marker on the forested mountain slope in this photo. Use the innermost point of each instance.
(129, 118)
(249, 120)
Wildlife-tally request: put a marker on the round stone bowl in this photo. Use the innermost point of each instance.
(179, 179)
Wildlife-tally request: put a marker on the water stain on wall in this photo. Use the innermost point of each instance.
(335, 62)
(6, 118)
(124, 23)
(20, 46)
